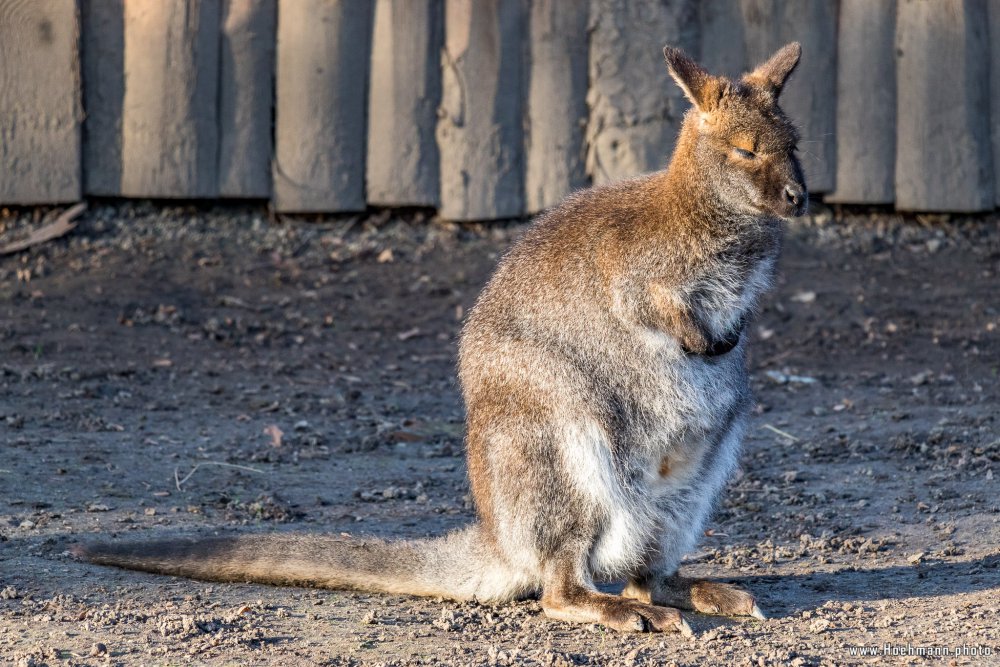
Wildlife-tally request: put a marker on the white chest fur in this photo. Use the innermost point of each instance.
(677, 468)
(657, 497)
(729, 294)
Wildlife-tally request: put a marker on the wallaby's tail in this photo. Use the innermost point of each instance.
(459, 565)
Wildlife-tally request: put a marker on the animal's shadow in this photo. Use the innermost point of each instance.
(795, 593)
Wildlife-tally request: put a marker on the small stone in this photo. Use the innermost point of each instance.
(820, 625)
(804, 297)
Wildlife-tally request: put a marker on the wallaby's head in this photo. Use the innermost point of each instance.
(739, 141)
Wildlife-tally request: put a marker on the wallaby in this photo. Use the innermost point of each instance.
(603, 368)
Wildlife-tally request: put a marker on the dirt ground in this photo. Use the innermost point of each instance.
(172, 370)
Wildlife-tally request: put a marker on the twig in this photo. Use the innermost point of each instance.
(61, 226)
(179, 482)
(236, 302)
(780, 432)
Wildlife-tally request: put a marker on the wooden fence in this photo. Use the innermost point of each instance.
(479, 108)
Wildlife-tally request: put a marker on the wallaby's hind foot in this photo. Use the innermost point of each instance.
(713, 597)
(615, 612)
(574, 599)
(701, 595)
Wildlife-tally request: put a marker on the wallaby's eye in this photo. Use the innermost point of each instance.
(744, 153)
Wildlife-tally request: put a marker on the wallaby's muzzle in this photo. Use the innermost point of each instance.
(789, 196)
(796, 200)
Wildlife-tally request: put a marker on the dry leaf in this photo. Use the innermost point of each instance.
(272, 431)
(408, 334)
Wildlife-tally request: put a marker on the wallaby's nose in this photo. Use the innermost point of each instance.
(795, 196)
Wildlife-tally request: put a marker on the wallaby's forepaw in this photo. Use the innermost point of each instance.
(707, 347)
(702, 346)
(726, 345)
(712, 597)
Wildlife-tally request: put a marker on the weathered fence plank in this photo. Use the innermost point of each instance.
(943, 150)
(480, 132)
(170, 137)
(174, 98)
(866, 102)
(246, 96)
(39, 102)
(810, 97)
(403, 167)
(993, 9)
(720, 33)
(102, 49)
(557, 102)
(635, 109)
(322, 78)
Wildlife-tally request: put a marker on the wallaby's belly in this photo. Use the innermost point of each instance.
(677, 463)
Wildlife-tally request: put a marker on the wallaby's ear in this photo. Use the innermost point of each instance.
(773, 74)
(703, 89)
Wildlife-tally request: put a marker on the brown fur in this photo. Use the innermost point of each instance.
(604, 374)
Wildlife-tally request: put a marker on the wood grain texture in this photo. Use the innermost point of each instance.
(102, 50)
(40, 110)
(246, 96)
(321, 98)
(403, 168)
(866, 102)
(170, 137)
(555, 154)
(635, 108)
(480, 132)
(993, 10)
(943, 150)
(720, 34)
(810, 96)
